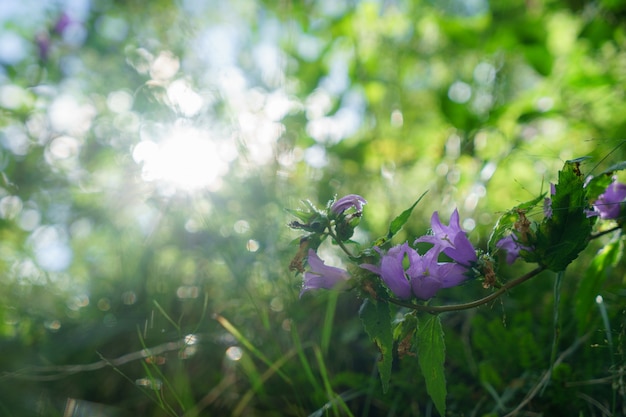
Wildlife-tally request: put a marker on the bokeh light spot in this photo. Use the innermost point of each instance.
(186, 159)
(119, 101)
(187, 292)
(252, 245)
(165, 66)
(234, 353)
(460, 92)
(53, 325)
(129, 298)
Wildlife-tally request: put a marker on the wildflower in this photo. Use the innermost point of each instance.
(351, 200)
(392, 269)
(610, 203)
(42, 40)
(512, 248)
(322, 275)
(421, 276)
(63, 23)
(451, 239)
(547, 202)
(429, 276)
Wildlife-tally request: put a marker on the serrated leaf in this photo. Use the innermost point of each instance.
(431, 352)
(591, 283)
(376, 319)
(397, 223)
(560, 238)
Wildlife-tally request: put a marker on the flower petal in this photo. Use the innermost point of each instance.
(393, 273)
(322, 275)
(350, 200)
(451, 274)
(609, 204)
(425, 286)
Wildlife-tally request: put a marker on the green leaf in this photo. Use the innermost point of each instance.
(597, 185)
(299, 214)
(376, 319)
(431, 352)
(506, 222)
(591, 283)
(396, 224)
(561, 237)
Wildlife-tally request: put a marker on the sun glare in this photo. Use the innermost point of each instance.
(186, 159)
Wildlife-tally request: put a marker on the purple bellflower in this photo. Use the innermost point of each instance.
(421, 276)
(452, 240)
(351, 200)
(392, 270)
(322, 275)
(609, 204)
(429, 276)
(512, 247)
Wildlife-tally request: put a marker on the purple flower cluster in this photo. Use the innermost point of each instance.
(608, 206)
(321, 275)
(407, 273)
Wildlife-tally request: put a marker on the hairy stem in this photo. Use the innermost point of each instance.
(340, 243)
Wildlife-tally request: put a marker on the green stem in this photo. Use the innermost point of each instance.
(340, 243)
(473, 304)
(605, 232)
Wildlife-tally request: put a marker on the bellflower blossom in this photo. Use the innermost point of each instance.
(422, 276)
(451, 239)
(429, 276)
(609, 204)
(350, 200)
(322, 275)
(512, 248)
(392, 269)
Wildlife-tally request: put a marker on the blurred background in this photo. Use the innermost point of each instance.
(148, 150)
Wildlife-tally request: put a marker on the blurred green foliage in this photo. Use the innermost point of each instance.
(106, 250)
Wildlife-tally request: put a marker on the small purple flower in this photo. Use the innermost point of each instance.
(421, 276)
(512, 248)
(547, 202)
(63, 23)
(609, 203)
(322, 275)
(42, 40)
(351, 200)
(452, 240)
